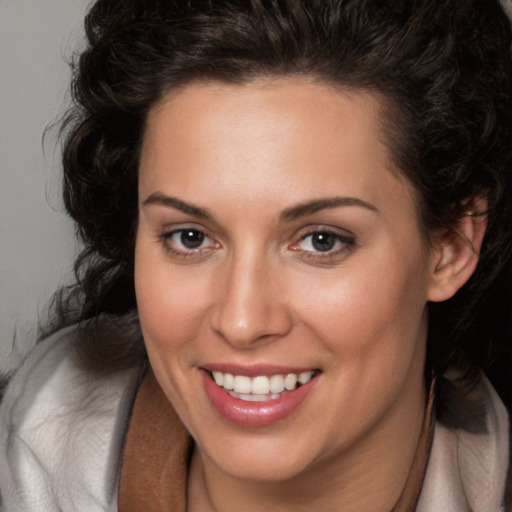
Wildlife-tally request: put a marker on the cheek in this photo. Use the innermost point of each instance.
(375, 306)
(168, 300)
(168, 307)
(373, 324)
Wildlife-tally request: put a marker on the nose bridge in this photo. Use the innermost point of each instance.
(249, 307)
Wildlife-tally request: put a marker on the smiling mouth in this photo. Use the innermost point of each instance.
(262, 387)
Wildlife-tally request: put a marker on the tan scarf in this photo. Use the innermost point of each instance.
(157, 452)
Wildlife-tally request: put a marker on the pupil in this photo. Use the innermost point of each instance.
(192, 239)
(323, 241)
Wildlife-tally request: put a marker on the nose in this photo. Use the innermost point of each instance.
(251, 306)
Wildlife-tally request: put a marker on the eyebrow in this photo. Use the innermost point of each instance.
(172, 202)
(289, 214)
(310, 207)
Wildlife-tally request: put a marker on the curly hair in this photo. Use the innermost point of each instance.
(442, 66)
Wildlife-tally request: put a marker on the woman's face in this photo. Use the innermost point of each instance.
(277, 242)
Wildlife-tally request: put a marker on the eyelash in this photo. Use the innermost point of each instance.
(346, 242)
(166, 240)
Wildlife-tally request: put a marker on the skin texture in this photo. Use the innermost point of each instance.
(257, 291)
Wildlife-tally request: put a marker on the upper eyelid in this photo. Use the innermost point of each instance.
(340, 237)
(165, 239)
(312, 232)
(323, 228)
(344, 237)
(169, 229)
(167, 233)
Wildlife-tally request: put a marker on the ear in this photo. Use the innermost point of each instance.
(456, 252)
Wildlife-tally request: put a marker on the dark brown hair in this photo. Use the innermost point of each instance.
(443, 67)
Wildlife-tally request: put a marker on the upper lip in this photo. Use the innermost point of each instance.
(253, 370)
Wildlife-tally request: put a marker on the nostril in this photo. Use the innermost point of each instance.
(243, 327)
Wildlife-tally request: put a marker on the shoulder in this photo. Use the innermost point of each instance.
(61, 430)
(468, 463)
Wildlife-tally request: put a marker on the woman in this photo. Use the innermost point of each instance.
(293, 216)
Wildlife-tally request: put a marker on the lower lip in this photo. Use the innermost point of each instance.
(254, 414)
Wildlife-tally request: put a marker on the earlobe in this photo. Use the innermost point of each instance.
(456, 252)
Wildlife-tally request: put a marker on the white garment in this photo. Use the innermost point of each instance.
(62, 430)
(467, 471)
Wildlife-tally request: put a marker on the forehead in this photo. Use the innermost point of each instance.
(283, 140)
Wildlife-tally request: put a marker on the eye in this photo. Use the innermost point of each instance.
(188, 238)
(323, 243)
(187, 241)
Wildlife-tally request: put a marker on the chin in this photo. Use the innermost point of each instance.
(262, 459)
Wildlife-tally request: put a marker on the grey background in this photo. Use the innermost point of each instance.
(36, 239)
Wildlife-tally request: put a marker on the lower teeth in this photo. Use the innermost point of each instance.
(257, 398)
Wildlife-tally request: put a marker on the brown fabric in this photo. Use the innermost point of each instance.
(155, 462)
(411, 492)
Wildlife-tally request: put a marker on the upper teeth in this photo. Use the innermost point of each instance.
(262, 384)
